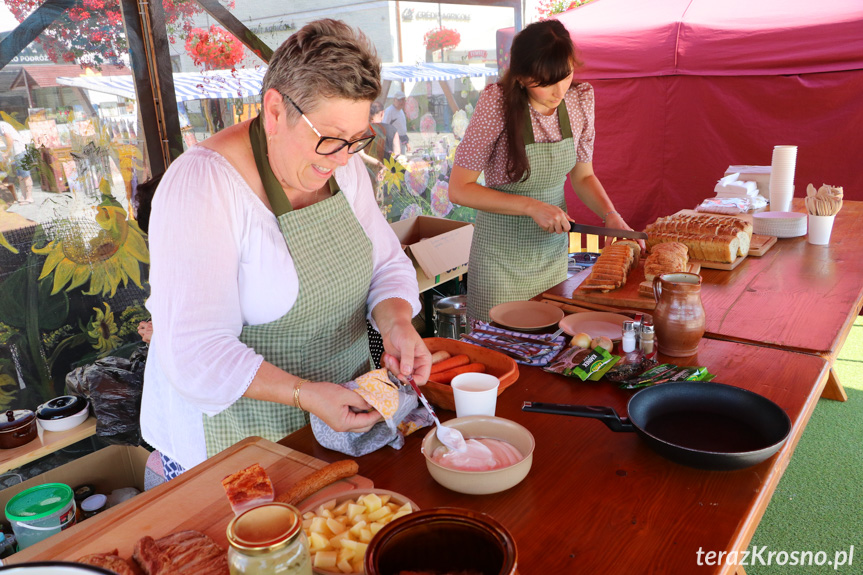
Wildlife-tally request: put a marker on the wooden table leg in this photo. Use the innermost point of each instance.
(833, 389)
(740, 570)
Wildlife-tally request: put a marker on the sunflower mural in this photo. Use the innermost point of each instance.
(110, 255)
(102, 331)
(420, 187)
(5, 243)
(75, 296)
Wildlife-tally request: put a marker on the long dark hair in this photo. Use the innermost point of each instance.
(542, 53)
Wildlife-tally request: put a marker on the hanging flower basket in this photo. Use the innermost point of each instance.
(441, 39)
(214, 48)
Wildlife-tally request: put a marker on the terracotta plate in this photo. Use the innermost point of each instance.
(525, 315)
(595, 324)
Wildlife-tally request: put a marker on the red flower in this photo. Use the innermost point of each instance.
(441, 39)
(215, 48)
(92, 32)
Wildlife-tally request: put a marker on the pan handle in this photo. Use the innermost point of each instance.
(607, 415)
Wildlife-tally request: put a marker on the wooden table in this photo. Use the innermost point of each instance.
(596, 501)
(797, 296)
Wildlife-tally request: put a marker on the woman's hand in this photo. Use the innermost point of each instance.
(338, 407)
(550, 218)
(145, 330)
(615, 220)
(406, 353)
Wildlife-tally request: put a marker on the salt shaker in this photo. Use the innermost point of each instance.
(628, 342)
(647, 338)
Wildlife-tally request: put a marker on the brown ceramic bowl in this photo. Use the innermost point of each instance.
(482, 482)
(442, 540)
(497, 364)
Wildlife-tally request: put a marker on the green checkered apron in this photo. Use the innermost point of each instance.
(323, 336)
(511, 257)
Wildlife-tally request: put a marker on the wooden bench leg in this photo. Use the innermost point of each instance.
(833, 389)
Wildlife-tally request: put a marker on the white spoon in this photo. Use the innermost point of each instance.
(449, 436)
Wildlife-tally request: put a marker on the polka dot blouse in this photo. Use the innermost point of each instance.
(481, 151)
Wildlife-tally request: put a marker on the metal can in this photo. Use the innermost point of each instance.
(269, 539)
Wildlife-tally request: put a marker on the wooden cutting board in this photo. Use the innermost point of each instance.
(194, 500)
(760, 245)
(626, 296)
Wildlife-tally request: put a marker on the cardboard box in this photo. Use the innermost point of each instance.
(439, 248)
(108, 469)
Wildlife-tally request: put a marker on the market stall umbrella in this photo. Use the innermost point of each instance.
(187, 85)
(441, 72)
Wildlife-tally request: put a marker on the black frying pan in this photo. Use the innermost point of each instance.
(695, 423)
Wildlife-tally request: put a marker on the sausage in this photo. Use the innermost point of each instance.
(447, 376)
(318, 480)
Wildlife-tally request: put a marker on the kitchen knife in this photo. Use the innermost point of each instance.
(601, 231)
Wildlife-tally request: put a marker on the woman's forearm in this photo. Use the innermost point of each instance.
(465, 191)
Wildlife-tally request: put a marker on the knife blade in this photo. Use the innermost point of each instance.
(601, 231)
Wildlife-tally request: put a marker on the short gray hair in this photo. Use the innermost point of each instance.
(325, 58)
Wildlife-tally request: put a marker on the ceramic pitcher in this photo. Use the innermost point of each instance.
(679, 316)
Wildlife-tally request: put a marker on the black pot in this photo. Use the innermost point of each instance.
(17, 428)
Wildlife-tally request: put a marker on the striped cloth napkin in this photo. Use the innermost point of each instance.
(525, 348)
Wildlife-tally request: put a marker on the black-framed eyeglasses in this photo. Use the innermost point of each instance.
(328, 145)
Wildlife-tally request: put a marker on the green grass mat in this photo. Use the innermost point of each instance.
(817, 505)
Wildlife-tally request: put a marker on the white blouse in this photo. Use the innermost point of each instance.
(219, 262)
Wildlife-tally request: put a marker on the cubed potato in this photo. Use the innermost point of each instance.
(318, 542)
(372, 502)
(376, 526)
(378, 515)
(319, 525)
(355, 530)
(342, 508)
(325, 559)
(336, 540)
(335, 526)
(345, 566)
(351, 544)
(354, 510)
(365, 535)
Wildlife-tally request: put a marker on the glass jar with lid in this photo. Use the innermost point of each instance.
(269, 539)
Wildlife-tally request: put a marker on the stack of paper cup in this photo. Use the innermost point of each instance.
(782, 178)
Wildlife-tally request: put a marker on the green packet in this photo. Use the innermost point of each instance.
(586, 364)
(665, 373)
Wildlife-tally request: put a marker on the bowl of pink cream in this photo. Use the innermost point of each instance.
(498, 456)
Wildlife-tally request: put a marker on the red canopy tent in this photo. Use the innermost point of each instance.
(685, 88)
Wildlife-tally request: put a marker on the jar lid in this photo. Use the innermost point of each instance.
(264, 528)
(38, 502)
(61, 407)
(94, 503)
(13, 419)
(454, 305)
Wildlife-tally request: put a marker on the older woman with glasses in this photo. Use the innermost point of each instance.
(268, 254)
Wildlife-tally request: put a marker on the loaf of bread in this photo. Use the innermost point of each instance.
(612, 267)
(704, 224)
(702, 247)
(666, 258)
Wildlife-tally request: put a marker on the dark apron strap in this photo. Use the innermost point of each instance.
(275, 193)
(562, 117)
